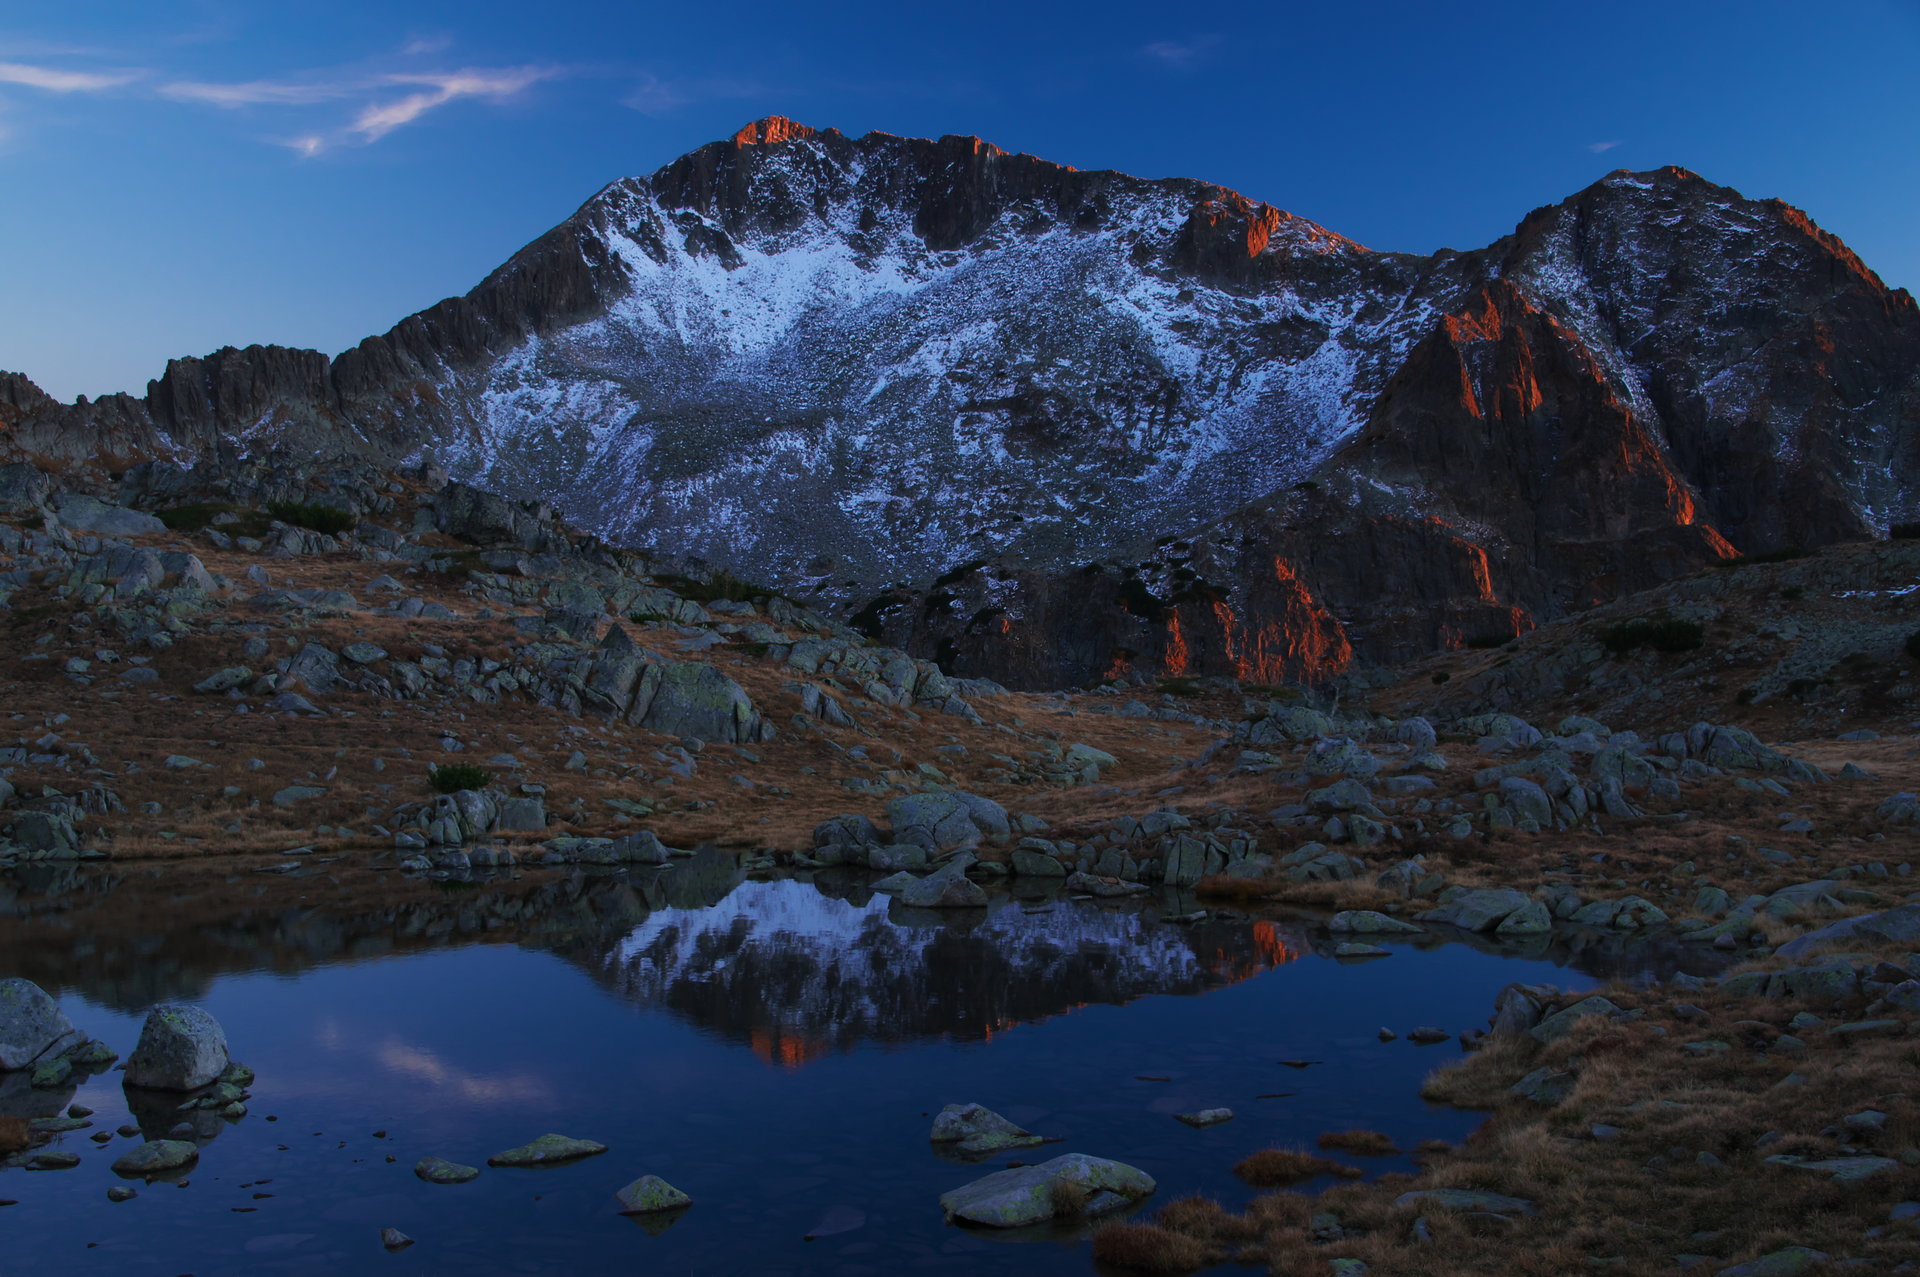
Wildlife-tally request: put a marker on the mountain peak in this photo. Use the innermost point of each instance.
(771, 129)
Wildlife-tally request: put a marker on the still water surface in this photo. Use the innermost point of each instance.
(776, 1049)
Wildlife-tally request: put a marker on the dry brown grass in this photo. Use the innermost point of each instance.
(1686, 1159)
(1222, 887)
(1149, 1248)
(1360, 1143)
(15, 1134)
(1279, 1167)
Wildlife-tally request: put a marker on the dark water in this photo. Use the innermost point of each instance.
(775, 1049)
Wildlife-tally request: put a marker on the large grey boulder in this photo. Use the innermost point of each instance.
(32, 1025)
(1034, 1194)
(1477, 909)
(181, 1048)
(82, 513)
(1900, 925)
(1557, 1025)
(688, 698)
(950, 888)
(938, 821)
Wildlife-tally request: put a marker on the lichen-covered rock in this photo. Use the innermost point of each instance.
(548, 1150)
(156, 1157)
(438, 1170)
(650, 1195)
(181, 1048)
(689, 698)
(975, 1128)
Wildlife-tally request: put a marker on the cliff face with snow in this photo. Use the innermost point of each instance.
(1050, 424)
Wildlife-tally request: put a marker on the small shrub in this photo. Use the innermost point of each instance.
(1746, 695)
(1782, 555)
(1362, 1143)
(1482, 642)
(1904, 531)
(15, 1134)
(326, 519)
(1661, 633)
(1068, 1197)
(1149, 1248)
(189, 518)
(1442, 677)
(1279, 1167)
(722, 586)
(1177, 687)
(1913, 645)
(1793, 593)
(451, 778)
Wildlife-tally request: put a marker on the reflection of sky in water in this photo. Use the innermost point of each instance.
(639, 1038)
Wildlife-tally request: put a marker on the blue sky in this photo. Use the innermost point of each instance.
(179, 176)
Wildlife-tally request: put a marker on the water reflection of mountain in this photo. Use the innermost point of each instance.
(796, 972)
(791, 968)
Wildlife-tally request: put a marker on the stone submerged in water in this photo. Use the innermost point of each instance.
(974, 1128)
(548, 1150)
(1034, 1194)
(1205, 1117)
(649, 1195)
(438, 1170)
(181, 1048)
(156, 1157)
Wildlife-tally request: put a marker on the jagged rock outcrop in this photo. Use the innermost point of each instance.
(1051, 426)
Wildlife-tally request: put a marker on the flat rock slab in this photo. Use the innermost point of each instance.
(1844, 1170)
(1034, 1194)
(1205, 1117)
(548, 1150)
(650, 1194)
(438, 1170)
(1466, 1199)
(1790, 1262)
(156, 1157)
(1370, 922)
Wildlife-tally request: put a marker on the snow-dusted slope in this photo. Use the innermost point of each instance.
(765, 388)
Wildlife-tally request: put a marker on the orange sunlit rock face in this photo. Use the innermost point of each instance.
(771, 130)
(1177, 657)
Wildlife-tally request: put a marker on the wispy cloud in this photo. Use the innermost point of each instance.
(1601, 148)
(259, 92)
(376, 121)
(426, 44)
(58, 80)
(1181, 55)
(380, 113)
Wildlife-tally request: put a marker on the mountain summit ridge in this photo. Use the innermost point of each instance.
(856, 367)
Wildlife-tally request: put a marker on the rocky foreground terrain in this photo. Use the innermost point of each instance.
(256, 668)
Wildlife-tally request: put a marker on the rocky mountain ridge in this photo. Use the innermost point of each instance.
(1050, 426)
